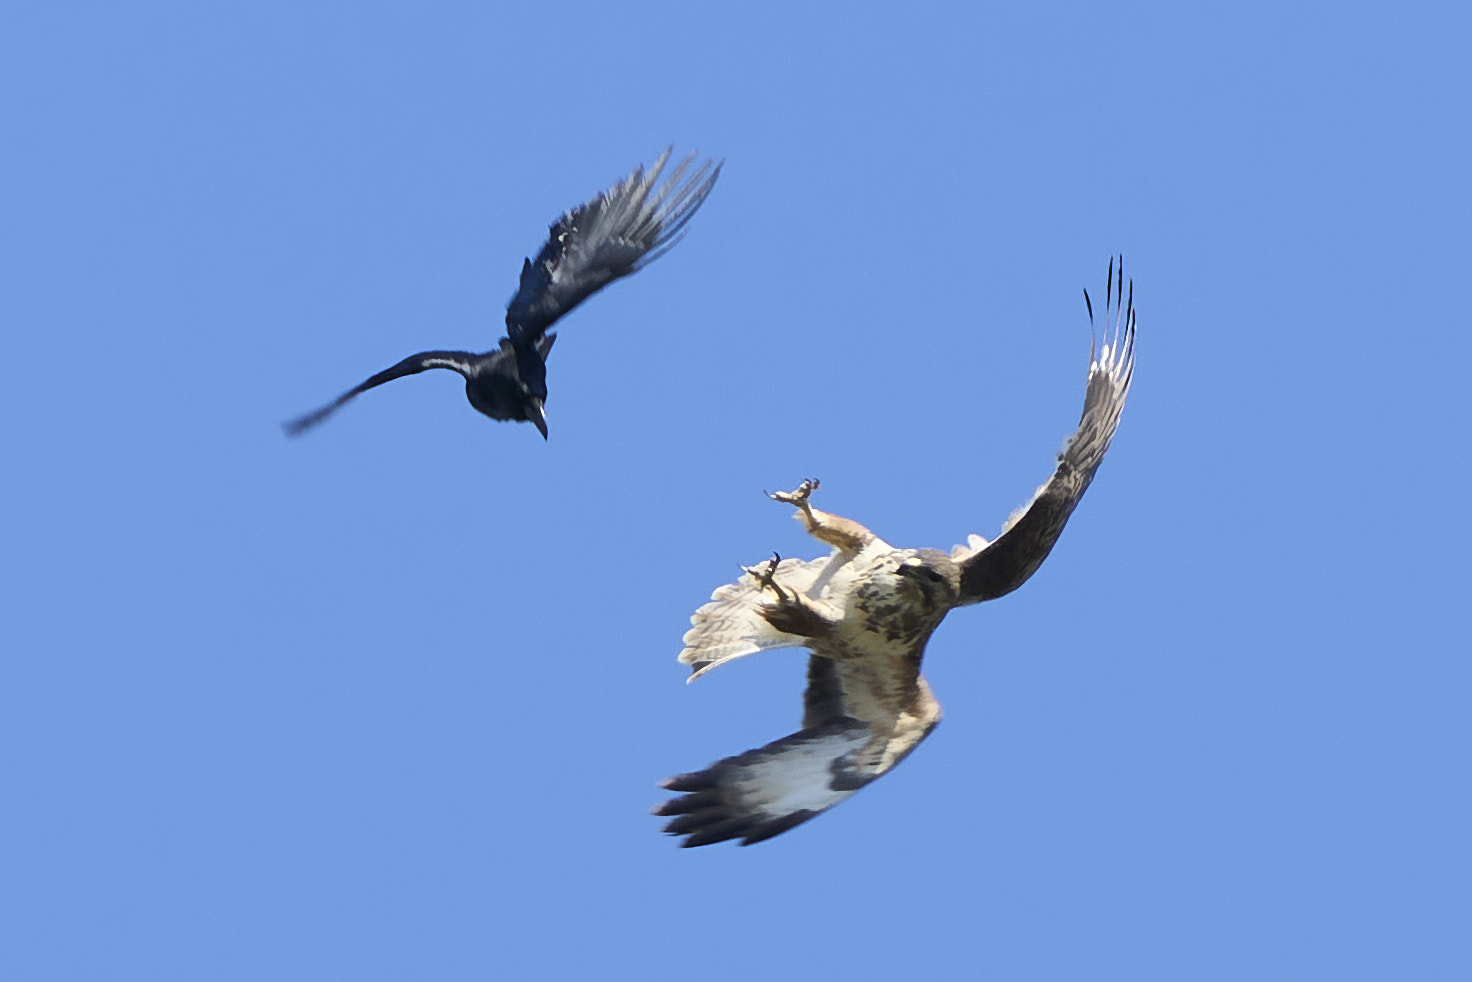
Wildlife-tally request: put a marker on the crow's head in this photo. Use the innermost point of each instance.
(514, 387)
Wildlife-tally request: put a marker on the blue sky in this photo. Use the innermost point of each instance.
(391, 700)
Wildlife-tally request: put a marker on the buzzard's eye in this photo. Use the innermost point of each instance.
(914, 566)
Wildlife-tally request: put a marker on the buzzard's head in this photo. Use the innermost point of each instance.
(931, 579)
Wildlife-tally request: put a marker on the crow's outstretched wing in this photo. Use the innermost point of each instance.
(995, 569)
(861, 718)
(617, 233)
(460, 361)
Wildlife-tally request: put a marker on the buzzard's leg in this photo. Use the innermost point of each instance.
(840, 533)
(792, 613)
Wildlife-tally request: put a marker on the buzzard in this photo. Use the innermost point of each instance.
(615, 234)
(866, 612)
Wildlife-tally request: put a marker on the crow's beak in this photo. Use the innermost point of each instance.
(538, 416)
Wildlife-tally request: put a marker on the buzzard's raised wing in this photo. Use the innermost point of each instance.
(993, 570)
(861, 717)
(617, 233)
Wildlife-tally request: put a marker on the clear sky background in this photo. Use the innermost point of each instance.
(391, 701)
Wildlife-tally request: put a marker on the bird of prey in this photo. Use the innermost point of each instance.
(613, 235)
(866, 612)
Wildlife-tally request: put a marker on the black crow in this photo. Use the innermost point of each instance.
(615, 234)
(866, 611)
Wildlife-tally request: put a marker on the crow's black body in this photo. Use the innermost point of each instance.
(615, 234)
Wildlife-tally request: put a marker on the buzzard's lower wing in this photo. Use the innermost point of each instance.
(459, 361)
(617, 233)
(767, 791)
(731, 625)
(1000, 567)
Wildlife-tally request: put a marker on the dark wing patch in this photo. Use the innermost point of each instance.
(617, 233)
(1005, 564)
(766, 791)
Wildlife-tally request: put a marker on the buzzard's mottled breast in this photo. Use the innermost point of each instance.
(894, 603)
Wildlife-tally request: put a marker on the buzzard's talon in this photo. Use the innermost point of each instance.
(764, 574)
(798, 497)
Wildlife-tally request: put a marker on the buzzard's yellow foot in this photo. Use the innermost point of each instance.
(791, 613)
(764, 580)
(798, 497)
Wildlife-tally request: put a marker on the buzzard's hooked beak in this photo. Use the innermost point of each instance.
(537, 416)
